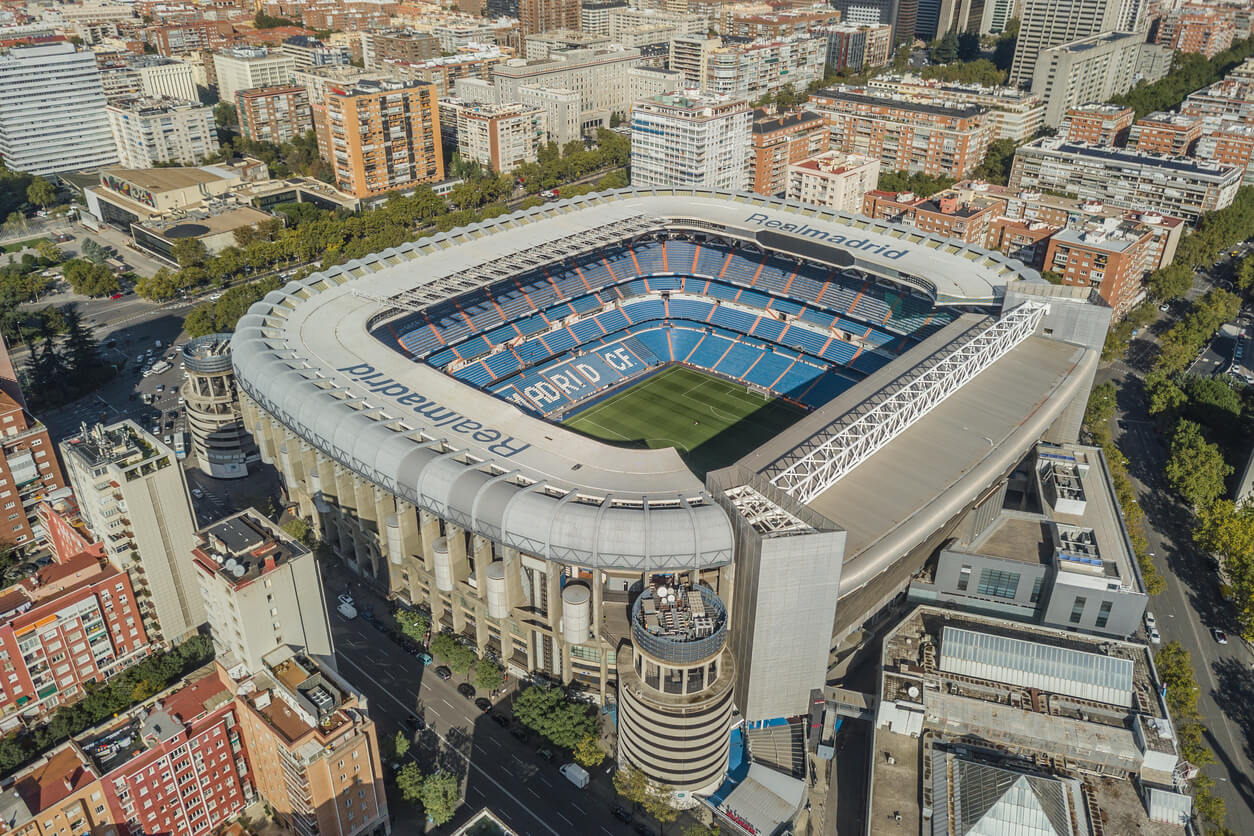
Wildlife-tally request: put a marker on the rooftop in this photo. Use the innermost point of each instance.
(163, 179)
(123, 444)
(297, 696)
(1202, 169)
(863, 96)
(197, 223)
(764, 122)
(50, 782)
(245, 546)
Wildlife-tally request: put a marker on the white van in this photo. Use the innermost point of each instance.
(576, 774)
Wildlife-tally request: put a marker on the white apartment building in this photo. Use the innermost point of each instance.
(598, 76)
(562, 108)
(246, 67)
(691, 140)
(640, 27)
(594, 15)
(688, 56)
(132, 493)
(152, 76)
(647, 82)
(1048, 23)
(151, 131)
(261, 590)
(500, 136)
(52, 110)
(1017, 114)
(835, 180)
(750, 71)
(1094, 69)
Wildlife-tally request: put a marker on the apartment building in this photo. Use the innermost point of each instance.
(1228, 143)
(752, 70)
(172, 39)
(250, 67)
(1111, 256)
(469, 34)
(1200, 29)
(1185, 188)
(73, 622)
(443, 72)
(950, 213)
(688, 56)
(1106, 125)
(647, 82)
(780, 140)
(905, 135)
(314, 748)
(594, 15)
(540, 45)
(148, 75)
(857, 47)
(399, 45)
(29, 473)
(152, 131)
(132, 493)
(1094, 69)
(274, 114)
(1048, 23)
(384, 136)
(262, 590)
(500, 136)
(1232, 98)
(310, 52)
(53, 78)
(599, 76)
(691, 141)
(747, 21)
(1017, 114)
(545, 15)
(642, 27)
(834, 180)
(1165, 133)
(562, 108)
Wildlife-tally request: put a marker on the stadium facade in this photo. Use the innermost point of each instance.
(412, 400)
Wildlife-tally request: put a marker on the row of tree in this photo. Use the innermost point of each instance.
(1180, 346)
(487, 674)
(1216, 234)
(439, 793)
(104, 700)
(64, 365)
(1190, 71)
(1175, 670)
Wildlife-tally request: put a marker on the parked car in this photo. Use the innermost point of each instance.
(1220, 636)
(444, 673)
(544, 754)
(466, 690)
(622, 814)
(1154, 636)
(414, 723)
(483, 704)
(345, 598)
(501, 720)
(1150, 621)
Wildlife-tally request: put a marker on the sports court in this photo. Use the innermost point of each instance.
(710, 421)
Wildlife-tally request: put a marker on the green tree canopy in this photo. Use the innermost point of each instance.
(90, 279)
(189, 252)
(409, 781)
(41, 193)
(1171, 282)
(997, 163)
(560, 720)
(631, 784)
(968, 71)
(588, 752)
(921, 184)
(440, 794)
(1195, 468)
(489, 676)
(413, 624)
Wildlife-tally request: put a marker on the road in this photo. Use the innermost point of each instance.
(501, 772)
(1191, 606)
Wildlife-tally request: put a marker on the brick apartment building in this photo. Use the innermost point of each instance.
(274, 114)
(948, 213)
(1197, 28)
(1165, 133)
(779, 140)
(29, 472)
(1111, 256)
(906, 136)
(1097, 124)
(384, 135)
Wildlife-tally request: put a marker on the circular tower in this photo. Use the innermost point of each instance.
(675, 688)
(219, 441)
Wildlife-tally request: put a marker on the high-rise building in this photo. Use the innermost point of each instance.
(152, 131)
(1048, 23)
(502, 137)
(834, 180)
(688, 56)
(274, 114)
(29, 472)
(899, 14)
(594, 15)
(384, 136)
(219, 442)
(250, 67)
(545, 15)
(857, 46)
(1094, 69)
(262, 590)
(52, 111)
(148, 75)
(399, 45)
(311, 52)
(1017, 114)
(779, 140)
(696, 140)
(599, 76)
(133, 495)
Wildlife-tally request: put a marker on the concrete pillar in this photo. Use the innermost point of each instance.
(429, 530)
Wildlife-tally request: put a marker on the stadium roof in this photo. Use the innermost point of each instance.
(306, 355)
(1058, 670)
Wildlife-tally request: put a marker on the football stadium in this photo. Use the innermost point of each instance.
(678, 448)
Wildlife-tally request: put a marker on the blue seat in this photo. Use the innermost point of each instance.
(738, 360)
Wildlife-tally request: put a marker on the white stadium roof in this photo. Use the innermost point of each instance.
(307, 356)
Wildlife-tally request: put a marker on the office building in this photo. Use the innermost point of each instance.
(1017, 114)
(74, 622)
(45, 79)
(1107, 125)
(1094, 69)
(274, 114)
(834, 180)
(1184, 188)
(1199, 29)
(561, 107)
(545, 15)
(1166, 133)
(384, 136)
(682, 141)
(313, 746)
(647, 82)
(501, 137)
(937, 18)
(442, 72)
(779, 140)
(151, 76)
(541, 45)
(1049, 23)
(262, 591)
(220, 445)
(905, 135)
(901, 15)
(29, 473)
(950, 213)
(133, 495)
(148, 132)
(857, 47)
(599, 76)
(653, 29)
(250, 67)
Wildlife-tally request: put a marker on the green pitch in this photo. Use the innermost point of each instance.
(710, 421)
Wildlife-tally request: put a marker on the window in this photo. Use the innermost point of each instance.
(964, 578)
(1103, 614)
(1077, 609)
(998, 584)
(1036, 589)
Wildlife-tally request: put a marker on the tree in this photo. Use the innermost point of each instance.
(93, 251)
(1171, 282)
(82, 352)
(224, 115)
(409, 781)
(589, 753)
(189, 252)
(1165, 396)
(298, 529)
(90, 279)
(632, 785)
(441, 793)
(997, 162)
(15, 224)
(489, 676)
(400, 745)
(980, 71)
(1195, 468)
(658, 804)
(968, 46)
(548, 711)
(48, 251)
(700, 830)
(1099, 410)
(41, 193)
(921, 184)
(1245, 273)
(412, 624)
(946, 49)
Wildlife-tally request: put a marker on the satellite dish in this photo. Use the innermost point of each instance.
(913, 692)
(238, 571)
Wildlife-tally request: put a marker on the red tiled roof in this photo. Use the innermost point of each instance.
(64, 774)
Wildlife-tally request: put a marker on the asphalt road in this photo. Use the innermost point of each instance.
(528, 793)
(1191, 607)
